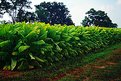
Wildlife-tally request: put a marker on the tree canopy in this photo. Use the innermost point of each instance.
(12, 7)
(26, 16)
(98, 18)
(53, 13)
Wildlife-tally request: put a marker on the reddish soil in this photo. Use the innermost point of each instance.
(6, 74)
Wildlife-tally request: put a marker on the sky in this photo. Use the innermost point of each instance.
(78, 8)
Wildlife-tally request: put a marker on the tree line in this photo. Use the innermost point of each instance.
(52, 13)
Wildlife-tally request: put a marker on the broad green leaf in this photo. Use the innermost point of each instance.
(4, 43)
(31, 34)
(31, 56)
(43, 34)
(39, 59)
(58, 48)
(13, 64)
(23, 48)
(72, 29)
(51, 33)
(18, 45)
(40, 42)
(77, 38)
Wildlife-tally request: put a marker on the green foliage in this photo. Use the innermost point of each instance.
(38, 45)
(98, 18)
(53, 13)
(25, 16)
(22, 48)
(13, 63)
(14, 8)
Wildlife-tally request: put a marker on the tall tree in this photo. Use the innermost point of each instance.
(98, 18)
(12, 7)
(25, 16)
(53, 13)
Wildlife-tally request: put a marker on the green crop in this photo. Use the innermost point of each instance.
(23, 46)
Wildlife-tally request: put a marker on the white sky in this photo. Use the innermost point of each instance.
(78, 8)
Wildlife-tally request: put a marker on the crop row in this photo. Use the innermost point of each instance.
(24, 46)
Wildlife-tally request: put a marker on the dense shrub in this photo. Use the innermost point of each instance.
(24, 46)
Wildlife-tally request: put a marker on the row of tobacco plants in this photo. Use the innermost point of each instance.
(24, 46)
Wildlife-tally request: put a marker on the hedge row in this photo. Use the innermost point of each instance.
(24, 46)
